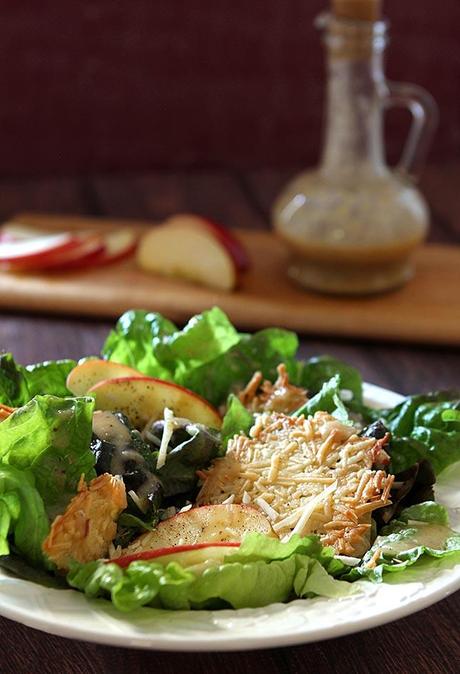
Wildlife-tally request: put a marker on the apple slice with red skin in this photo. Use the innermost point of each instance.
(16, 231)
(185, 555)
(82, 246)
(144, 399)
(84, 255)
(37, 252)
(206, 524)
(90, 249)
(119, 245)
(189, 253)
(116, 246)
(89, 373)
(225, 236)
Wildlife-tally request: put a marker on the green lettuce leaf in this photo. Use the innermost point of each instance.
(327, 400)
(48, 378)
(421, 532)
(133, 341)
(208, 356)
(50, 437)
(420, 410)
(237, 420)
(424, 427)
(19, 384)
(205, 337)
(313, 373)
(429, 511)
(451, 415)
(262, 351)
(261, 572)
(22, 515)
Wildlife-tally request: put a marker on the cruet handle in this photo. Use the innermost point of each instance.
(424, 112)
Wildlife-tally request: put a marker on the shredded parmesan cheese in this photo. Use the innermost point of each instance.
(137, 500)
(168, 430)
(268, 510)
(229, 500)
(309, 476)
(311, 507)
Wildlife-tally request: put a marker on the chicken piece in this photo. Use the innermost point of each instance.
(263, 396)
(309, 476)
(89, 524)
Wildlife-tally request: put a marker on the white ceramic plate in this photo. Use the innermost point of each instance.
(68, 613)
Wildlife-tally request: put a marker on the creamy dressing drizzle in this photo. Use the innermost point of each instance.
(110, 429)
(422, 533)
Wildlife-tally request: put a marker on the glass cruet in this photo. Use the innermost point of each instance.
(352, 224)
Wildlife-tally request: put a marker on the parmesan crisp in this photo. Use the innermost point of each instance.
(309, 476)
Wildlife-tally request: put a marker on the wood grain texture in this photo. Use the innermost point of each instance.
(425, 643)
(425, 310)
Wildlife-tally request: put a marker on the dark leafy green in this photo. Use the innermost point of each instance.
(420, 410)
(313, 373)
(13, 388)
(50, 437)
(411, 486)
(422, 429)
(192, 447)
(327, 400)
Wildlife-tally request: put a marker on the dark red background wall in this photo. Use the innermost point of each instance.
(138, 84)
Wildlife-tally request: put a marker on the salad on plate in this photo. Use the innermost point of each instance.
(204, 468)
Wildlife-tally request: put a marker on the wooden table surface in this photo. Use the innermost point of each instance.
(425, 642)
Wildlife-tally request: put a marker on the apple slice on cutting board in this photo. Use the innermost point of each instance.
(115, 246)
(144, 399)
(190, 253)
(36, 252)
(89, 373)
(225, 236)
(206, 524)
(24, 248)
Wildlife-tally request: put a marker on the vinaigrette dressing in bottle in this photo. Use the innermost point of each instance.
(352, 224)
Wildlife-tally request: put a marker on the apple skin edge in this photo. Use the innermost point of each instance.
(23, 256)
(235, 247)
(133, 394)
(224, 235)
(190, 253)
(147, 555)
(103, 256)
(68, 251)
(86, 375)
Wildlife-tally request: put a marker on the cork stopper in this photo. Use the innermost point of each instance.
(358, 10)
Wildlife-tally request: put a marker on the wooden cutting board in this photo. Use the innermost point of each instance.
(425, 310)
